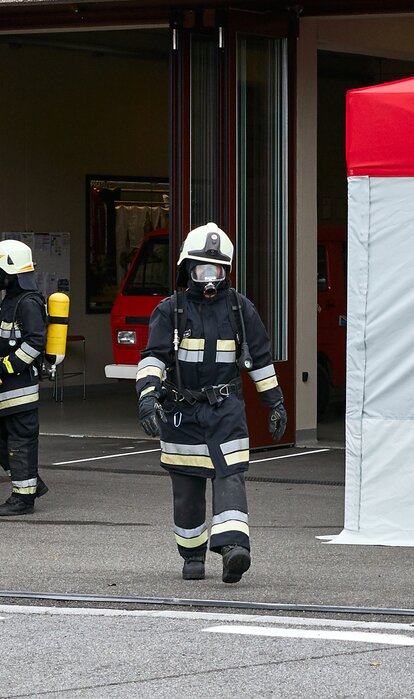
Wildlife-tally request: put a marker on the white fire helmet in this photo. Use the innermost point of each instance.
(16, 258)
(207, 244)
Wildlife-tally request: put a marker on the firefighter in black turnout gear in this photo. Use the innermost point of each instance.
(22, 341)
(190, 393)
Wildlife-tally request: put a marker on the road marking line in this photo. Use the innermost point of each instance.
(148, 451)
(108, 456)
(288, 456)
(203, 616)
(356, 636)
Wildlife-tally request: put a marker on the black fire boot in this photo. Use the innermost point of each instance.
(236, 560)
(193, 568)
(16, 506)
(41, 489)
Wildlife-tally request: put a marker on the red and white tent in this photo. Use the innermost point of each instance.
(379, 485)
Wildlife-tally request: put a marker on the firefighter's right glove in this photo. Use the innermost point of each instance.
(277, 421)
(150, 413)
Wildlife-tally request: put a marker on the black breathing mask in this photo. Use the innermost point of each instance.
(208, 277)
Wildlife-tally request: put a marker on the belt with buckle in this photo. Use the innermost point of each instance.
(213, 394)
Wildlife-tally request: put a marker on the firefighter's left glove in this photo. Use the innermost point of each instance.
(150, 413)
(277, 421)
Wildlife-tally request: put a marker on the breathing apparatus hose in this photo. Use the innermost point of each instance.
(244, 361)
(176, 340)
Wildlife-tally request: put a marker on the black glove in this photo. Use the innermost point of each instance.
(150, 412)
(277, 421)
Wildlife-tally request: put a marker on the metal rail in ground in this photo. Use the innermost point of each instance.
(218, 604)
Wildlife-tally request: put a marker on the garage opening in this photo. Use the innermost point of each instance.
(77, 104)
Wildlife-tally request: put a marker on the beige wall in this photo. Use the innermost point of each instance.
(388, 37)
(66, 114)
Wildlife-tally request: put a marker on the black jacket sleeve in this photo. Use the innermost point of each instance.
(159, 352)
(263, 372)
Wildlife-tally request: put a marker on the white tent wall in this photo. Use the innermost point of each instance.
(379, 491)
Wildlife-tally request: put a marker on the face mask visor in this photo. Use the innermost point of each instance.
(208, 277)
(208, 273)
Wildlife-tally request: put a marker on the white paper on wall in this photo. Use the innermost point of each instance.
(51, 254)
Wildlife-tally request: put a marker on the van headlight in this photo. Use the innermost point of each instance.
(126, 337)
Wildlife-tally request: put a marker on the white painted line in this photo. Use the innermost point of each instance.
(356, 636)
(204, 616)
(148, 451)
(108, 456)
(288, 456)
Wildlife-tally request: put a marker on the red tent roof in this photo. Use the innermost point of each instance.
(380, 130)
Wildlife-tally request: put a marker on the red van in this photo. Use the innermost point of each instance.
(145, 285)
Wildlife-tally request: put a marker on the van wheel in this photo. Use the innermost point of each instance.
(324, 389)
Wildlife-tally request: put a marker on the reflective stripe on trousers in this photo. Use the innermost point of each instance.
(230, 517)
(203, 440)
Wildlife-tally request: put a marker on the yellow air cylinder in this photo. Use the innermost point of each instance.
(57, 330)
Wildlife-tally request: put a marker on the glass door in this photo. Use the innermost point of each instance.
(261, 191)
(197, 152)
(204, 130)
(259, 156)
(234, 150)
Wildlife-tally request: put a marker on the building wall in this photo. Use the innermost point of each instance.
(66, 114)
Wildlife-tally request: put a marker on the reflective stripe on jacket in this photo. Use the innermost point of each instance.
(19, 390)
(207, 350)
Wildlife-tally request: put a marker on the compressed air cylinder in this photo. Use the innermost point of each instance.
(57, 330)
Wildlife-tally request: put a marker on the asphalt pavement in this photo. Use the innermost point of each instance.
(105, 527)
(99, 550)
(117, 654)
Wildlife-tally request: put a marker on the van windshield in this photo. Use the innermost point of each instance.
(149, 275)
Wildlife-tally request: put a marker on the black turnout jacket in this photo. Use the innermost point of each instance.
(21, 344)
(207, 347)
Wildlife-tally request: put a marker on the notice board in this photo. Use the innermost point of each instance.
(51, 255)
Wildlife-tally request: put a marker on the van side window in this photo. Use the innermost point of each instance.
(149, 275)
(322, 269)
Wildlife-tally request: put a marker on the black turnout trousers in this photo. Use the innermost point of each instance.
(230, 518)
(19, 441)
